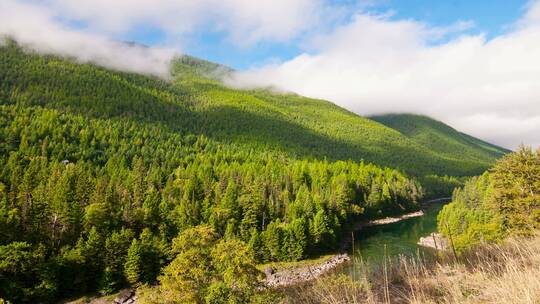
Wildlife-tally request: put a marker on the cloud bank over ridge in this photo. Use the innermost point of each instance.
(368, 63)
(373, 65)
(37, 28)
(85, 29)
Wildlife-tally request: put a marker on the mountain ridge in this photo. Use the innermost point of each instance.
(437, 135)
(299, 126)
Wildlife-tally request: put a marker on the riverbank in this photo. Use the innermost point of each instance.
(390, 220)
(303, 271)
(501, 273)
(295, 275)
(435, 241)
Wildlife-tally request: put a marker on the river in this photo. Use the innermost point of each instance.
(373, 243)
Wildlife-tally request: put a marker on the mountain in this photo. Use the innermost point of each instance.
(196, 102)
(437, 136)
(202, 105)
(307, 127)
(317, 128)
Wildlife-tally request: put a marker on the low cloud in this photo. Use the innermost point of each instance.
(37, 28)
(245, 22)
(83, 29)
(374, 64)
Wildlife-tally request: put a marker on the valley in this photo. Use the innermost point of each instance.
(111, 180)
(269, 152)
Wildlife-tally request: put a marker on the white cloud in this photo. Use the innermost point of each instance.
(37, 29)
(245, 21)
(83, 28)
(372, 65)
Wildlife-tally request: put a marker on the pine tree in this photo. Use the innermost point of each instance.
(273, 237)
(132, 267)
(256, 246)
(116, 251)
(297, 239)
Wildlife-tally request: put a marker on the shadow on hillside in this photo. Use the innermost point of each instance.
(96, 92)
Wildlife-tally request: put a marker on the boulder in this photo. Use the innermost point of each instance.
(269, 271)
(126, 296)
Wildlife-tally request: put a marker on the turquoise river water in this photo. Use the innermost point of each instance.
(373, 244)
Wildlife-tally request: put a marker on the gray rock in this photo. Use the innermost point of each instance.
(435, 241)
(126, 296)
(269, 271)
(294, 276)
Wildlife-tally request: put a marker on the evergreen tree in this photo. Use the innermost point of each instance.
(132, 267)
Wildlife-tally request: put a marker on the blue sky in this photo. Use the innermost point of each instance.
(491, 17)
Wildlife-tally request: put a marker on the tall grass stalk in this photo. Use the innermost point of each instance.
(499, 273)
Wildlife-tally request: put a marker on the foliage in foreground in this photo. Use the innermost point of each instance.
(206, 269)
(499, 274)
(505, 200)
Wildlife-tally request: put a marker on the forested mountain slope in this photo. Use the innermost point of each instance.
(196, 104)
(439, 137)
(307, 127)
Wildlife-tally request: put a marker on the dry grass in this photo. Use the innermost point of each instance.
(507, 273)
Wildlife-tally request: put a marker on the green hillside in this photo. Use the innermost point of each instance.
(101, 170)
(196, 104)
(437, 136)
(313, 128)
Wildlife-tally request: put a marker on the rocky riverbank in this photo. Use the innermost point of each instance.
(435, 240)
(390, 220)
(292, 276)
(274, 278)
(124, 296)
